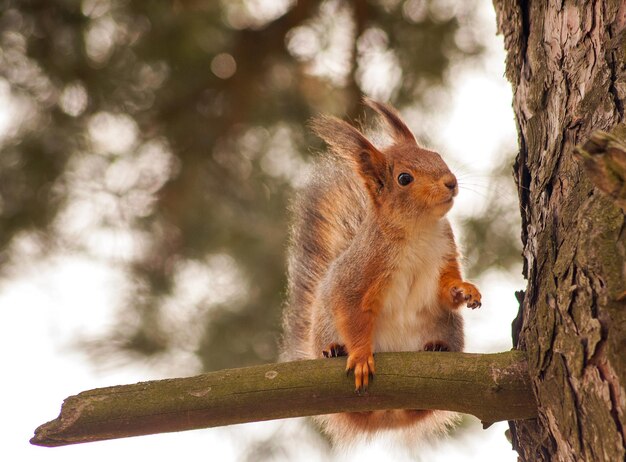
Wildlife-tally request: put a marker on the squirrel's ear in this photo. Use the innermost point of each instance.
(351, 145)
(399, 130)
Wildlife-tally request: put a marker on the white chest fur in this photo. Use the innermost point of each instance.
(409, 312)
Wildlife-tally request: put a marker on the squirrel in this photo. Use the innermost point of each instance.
(373, 265)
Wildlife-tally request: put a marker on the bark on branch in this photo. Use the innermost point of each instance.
(492, 387)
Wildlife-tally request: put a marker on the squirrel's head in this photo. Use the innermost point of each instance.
(403, 179)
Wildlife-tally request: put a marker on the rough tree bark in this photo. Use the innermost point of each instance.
(565, 61)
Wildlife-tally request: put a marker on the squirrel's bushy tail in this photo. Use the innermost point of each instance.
(326, 215)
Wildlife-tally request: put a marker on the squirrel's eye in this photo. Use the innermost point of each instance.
(404, 179)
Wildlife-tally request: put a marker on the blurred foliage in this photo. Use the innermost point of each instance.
(491, 239)
(166, 137)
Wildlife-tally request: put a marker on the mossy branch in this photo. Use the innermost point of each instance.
(492, 387)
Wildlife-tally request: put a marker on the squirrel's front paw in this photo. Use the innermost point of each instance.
(362, 363)
(466, 292)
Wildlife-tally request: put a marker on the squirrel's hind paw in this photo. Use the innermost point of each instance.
(436, 346)
(334, 350)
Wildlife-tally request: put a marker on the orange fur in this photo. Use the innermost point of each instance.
(356, 324)
(373, 262)
(453, 291)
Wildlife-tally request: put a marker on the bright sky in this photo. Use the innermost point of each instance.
(47, 306)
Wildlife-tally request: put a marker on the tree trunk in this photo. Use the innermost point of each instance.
(565, 61)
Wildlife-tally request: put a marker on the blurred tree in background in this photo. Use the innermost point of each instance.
(166, 137)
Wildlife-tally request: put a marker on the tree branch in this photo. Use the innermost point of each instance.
(492, 387)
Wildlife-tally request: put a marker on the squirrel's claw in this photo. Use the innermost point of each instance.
(468, 293)
(363, 367)
(334, 350)
(436, 346)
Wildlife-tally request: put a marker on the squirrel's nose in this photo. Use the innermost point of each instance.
(450, 181)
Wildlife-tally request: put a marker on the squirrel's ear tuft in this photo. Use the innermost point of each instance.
(343, 138)
(350, 144)
(399, 130)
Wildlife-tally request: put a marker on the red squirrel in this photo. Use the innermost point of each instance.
(373, 264)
